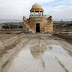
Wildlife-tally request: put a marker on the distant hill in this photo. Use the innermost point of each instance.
(65, 19)
(9, 20)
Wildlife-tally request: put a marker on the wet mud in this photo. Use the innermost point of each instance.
(41, 54)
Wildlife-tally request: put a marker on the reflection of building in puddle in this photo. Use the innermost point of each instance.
(39, 48)
(37, 51)
(50, 47)
(37, 55)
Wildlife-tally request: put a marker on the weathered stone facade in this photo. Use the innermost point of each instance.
(38, 22)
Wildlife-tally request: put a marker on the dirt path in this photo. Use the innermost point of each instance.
(38, 53)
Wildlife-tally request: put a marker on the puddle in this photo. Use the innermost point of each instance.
(41, 57)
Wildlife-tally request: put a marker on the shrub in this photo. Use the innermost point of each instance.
(20, 26)
(5, 26)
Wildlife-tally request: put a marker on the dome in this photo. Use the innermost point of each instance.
(36, 5)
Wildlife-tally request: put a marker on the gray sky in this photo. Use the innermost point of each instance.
(16, 9)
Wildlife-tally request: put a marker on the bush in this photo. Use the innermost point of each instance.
(5, 26)
(13, 26)
(20, 26)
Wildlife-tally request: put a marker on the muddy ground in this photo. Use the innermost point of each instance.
(64, 35)
(8, 41)
(12, 44)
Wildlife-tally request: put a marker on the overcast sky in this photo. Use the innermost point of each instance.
(16, 9)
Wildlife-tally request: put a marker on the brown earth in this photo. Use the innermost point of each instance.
(6, 36)
(8, 40)
(11, 31)
(3, 38)
(64, 35)
(31, 40)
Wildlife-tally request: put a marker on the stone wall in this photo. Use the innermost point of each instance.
(46, 24)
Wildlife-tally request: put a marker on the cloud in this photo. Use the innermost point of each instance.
(59, 12)
(16, 9)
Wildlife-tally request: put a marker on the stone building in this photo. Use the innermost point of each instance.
(37, 22)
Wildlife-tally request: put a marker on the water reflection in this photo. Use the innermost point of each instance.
(50, 48)
(38, 50)
(41, 57)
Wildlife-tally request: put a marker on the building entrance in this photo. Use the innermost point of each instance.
(37, 27)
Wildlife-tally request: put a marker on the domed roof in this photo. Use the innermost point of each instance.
(36, 5)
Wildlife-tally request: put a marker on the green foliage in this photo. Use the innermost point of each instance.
(13, 26)
(20, 26)
(62, 24)
(5, 26)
